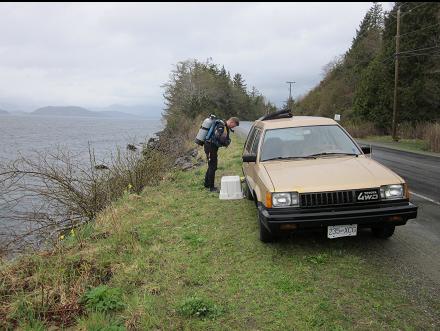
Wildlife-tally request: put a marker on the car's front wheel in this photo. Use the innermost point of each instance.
(384, 232)
(247, 191)
(265, 235)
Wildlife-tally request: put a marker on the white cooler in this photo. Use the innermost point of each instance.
(230, 188)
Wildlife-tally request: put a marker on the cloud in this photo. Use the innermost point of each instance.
(96, 54)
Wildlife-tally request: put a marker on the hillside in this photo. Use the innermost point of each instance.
(360, 83)
(73, 111)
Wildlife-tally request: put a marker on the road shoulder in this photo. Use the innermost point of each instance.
(392, 146)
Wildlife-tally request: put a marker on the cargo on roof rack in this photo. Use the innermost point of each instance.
(276, 115)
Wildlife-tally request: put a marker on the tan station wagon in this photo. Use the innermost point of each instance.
(308, 172)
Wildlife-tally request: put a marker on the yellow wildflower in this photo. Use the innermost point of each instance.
(62, 237)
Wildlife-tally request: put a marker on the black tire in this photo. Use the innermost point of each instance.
(384, 232)
(265, 235)
(247, 191)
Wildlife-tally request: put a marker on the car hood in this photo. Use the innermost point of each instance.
(329, 174)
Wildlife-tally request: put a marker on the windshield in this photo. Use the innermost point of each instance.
(306, 142)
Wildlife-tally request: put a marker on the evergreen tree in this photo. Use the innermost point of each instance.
(239, 83)
(336, 92)
(418, 93)
(197, 88)
(360, 84)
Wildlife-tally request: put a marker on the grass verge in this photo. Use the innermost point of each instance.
(410, 145)
(177, 257)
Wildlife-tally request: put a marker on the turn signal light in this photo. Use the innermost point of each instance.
(268, 200)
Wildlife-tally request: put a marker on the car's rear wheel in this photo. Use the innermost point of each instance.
(265, 235)
(384, 232)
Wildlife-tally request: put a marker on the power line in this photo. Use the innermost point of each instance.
(424, 28)
(405, 55)
(421, 54)
(388, 58)
(416, 50)
(409, 11)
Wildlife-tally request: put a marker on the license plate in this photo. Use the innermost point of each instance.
(336, 231)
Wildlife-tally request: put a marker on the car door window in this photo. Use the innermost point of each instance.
(254, 149)
(250, 140)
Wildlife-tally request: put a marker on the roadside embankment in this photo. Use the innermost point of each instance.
(177, 257)
(406, 145)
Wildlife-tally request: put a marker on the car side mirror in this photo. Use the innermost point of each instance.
(249, 158)
(366, 149)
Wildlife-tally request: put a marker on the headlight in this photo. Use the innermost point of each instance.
(392, 191)
(288, 199)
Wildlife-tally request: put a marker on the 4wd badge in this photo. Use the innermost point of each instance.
(367, 195)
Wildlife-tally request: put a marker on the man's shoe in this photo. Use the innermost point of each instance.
(214, 189)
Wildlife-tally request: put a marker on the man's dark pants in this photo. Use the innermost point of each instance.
(211, 154)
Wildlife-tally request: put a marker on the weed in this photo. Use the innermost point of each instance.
(99, 322)
(33, 325)
(23, 310)
(194, 240)
(103, 299)
(317, 259)
(199, 307)
(287, 285)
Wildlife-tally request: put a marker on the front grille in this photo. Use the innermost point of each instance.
(322, 199)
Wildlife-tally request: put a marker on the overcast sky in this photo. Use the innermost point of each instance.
(98, 54)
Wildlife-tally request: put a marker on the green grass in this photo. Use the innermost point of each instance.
(412, 145)
(177, 257)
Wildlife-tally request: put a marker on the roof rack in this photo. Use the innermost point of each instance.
(276, 115)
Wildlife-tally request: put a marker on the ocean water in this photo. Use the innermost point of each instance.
(25, 135)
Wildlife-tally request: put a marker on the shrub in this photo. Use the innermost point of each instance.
(103, 299)
(67, 191)
(432, 136)
(198, 307)
(411, 130)
(360, 129)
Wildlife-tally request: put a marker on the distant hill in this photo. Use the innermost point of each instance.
(114, 114)
(74, 111)
(18, 112)
(3, 112)
(146, 111)
(62, 111)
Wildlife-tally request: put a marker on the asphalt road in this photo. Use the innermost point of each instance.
(413, 252)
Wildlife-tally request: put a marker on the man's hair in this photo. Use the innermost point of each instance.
(235, 119)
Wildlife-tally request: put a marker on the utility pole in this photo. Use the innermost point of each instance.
(396, 76)
(289, 102)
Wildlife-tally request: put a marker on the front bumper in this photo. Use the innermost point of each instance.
(371, 215)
